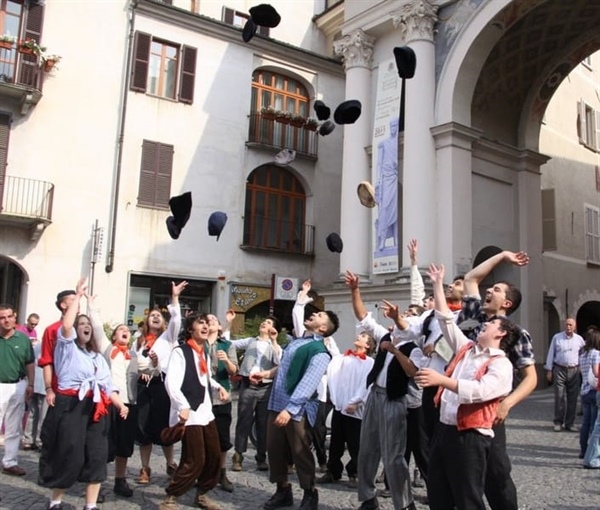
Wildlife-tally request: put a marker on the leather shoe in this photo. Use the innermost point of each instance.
(327, 478)
(283, 497)
(370, 504)
(310, 501)
(14, 471)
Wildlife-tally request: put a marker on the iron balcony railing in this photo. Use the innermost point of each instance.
(279, 235)
(27, 198)
(20, 69)
(270, 132)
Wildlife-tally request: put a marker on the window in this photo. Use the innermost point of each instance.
(588, 126)
(548, 220)
(592, 234)
(155, 175)
(163, 69)
(274, 212)
(278, 91)
(238, 19)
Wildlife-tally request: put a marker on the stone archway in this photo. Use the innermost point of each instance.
(588, 315)
(12, 282)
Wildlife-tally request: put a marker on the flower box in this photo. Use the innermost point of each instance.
(7, 45)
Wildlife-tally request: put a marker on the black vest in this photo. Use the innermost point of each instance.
(397, 380)
(191, 386)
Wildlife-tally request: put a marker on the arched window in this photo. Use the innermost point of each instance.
(279, 92)
(274, 212)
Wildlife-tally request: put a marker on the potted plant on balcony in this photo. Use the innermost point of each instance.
(268, 112)
(7, 41)
(30, 47)
(297, 120)
(49, 62)
(284, 117)
(311, 124)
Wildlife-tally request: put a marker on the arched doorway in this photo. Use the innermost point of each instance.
(12, 279)
(588, 315)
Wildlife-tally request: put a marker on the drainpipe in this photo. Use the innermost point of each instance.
(117, 182)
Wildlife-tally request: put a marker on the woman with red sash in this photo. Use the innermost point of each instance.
(74, 438)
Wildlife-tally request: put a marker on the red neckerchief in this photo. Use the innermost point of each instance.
(150, 338)
(117, 348)
(199, 350)
(360, 355)
(454, 307)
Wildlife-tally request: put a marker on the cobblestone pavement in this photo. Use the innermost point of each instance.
(546, 470)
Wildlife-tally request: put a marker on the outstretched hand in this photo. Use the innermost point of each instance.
(519, 259)
(176, 290)
(436, 273)
(390, 310)
(412, 251)
(351, 280)
(82, 287)
(306, 286)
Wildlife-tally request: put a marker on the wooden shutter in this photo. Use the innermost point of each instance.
(549, 242)
(28, 72)
(228, 15)
(188, 74)
(155, 174)
(581, 127)
(141, 61)
(597, 129)
(4, 134)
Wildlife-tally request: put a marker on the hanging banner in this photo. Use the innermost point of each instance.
(286, 288)
(384, 228)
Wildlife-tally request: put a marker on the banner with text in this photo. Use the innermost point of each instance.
(384, 227)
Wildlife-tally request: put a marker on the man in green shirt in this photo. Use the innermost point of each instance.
(16, 386)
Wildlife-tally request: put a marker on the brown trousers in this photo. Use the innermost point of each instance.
(200, 462)
(290, 444)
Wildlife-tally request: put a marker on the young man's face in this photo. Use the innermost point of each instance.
(32, 322)
(317, 322)
(454, 291)
(266, 326)
(213, 324)
(429, 303)
(200, 331)
(495, 302)
(491, 333)
(8, 320)
(362, 341)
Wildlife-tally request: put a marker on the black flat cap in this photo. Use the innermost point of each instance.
(406, 61)
(249, 30)
(216, 223)
(326, 128)
(347, 112)
(322, 110)
(334, 243)
(181, 208)
(265, 15)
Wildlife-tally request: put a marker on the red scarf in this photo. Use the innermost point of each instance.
(199, 350)
(360, 355)
(454, 306)
(150, 338)
(117, 348)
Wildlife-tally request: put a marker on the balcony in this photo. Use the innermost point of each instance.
(20, 78)
(270, 133)
(271, 234)
(26, 203)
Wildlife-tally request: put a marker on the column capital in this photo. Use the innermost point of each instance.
(416, 20)
(356, 48)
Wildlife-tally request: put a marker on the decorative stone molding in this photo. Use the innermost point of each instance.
(416, 20)
(356, 48)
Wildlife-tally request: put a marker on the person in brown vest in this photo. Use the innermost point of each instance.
(478, 376)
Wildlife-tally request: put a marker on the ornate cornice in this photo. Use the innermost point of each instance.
(356, 48)
(416, 20)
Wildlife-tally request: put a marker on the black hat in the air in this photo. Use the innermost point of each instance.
(322, 110)
(406, 61)
(334, 243)
(265, 15)
(249, 30)
(347, 112)
(216, 223)
(181, 208)
(326, 128)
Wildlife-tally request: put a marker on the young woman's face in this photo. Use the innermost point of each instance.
(83, 327)
(122, 335)
(155, 320)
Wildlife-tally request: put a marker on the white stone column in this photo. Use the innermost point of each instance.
(416, 20)
(357, 50)
(453, 196)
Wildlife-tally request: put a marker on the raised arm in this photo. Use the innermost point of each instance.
(104, 344)
(476, 275)
(71, 313)
(175, 312)
(298, 311)
(352, 281)
(417, 287)
(437, 277)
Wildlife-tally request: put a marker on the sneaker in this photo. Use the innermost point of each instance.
(327, 478)
(60, 506)
(14, 471)
(310, 501)
(203, 501)
(572, 428)
(171, 468)
(370, 504)
(352, 482)
(122, 488)
(557, 427)
(236, 461)
(144, 477)
(169, 503)
(283, 497)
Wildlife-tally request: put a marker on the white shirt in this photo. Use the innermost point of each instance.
(347, 383)
(173, 381)
(495, 383)
(564, 350)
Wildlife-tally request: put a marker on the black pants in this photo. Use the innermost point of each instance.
(431, 413)
(222, 414)
(154, 405)
(320, 432)
(345, 430)
(500, 489)
(457, 469)
(417, 440)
